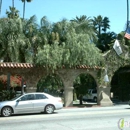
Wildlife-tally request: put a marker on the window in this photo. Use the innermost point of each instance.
(94, 91)
(30, 97)
(23, 98)
(27, 97)
(40, 96)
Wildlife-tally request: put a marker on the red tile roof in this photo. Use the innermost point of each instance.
(15, 65)
(28, 65)
(84, 67)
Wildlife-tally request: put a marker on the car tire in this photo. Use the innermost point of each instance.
(49, 109)
(6, 111)
(95, 99)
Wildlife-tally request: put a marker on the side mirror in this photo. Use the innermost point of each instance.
(18, 100)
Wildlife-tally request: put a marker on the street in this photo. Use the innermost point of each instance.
(93, 118)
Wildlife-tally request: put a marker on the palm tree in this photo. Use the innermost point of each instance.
(59, 31)
(100, 24)
(24, 4)
(13, 13)
(105, 40)
(12, 3)
(14, 45)
(105, 24)
(31, 31)
(79, 19)
(85, 25)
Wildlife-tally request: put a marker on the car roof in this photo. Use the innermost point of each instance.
(40, 93)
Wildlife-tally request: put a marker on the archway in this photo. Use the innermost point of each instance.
(82, 84)
(32, 74)
(120, 84)
(51, 84)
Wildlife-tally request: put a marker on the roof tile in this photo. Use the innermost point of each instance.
(28, 65)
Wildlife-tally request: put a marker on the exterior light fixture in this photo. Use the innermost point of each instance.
(106, 79)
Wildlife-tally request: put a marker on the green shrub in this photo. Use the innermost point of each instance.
(6, 95)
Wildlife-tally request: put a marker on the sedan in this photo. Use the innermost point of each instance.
(31, 103)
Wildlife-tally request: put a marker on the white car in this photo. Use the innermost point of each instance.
(129, 102)
(91, 95)
(31, 103)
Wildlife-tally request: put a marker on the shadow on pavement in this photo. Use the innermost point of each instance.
(31, 114)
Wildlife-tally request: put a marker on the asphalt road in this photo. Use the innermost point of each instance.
(97, 118)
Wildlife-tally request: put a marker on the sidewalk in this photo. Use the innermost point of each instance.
(76, 104)
(89, 104)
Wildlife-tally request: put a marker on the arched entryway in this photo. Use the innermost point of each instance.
(51, 84)
(69, 75)
(32, 74)
(82, 84)
(120, 84)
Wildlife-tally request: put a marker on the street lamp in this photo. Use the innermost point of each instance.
(106, 79)
(23, 87)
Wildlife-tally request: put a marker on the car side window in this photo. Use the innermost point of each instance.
(27, 97)
(89, 91)
(23, 98)
(94, 91)
(40, 96)
(30, 97)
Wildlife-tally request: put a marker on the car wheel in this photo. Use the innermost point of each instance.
(95, 99)
(49, 109)
(6, 111)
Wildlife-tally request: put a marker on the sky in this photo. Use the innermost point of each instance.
(56, 10)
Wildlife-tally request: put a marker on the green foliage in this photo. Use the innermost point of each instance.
(101, 24)
(85, 25)
(77, 49)
(81, 85)
(105, 40)
(52, 84)
(13, 40)
(52, 45)
(6, 95)
(115, 61)
(84, 82)
(50, 56)
(13, 13)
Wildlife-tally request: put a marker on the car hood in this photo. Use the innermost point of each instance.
(6, 102)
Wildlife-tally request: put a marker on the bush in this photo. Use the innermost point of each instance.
(6, 95)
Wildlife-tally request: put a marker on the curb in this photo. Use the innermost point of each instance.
(71, 107)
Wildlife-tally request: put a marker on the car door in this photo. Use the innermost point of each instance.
(25, 104)
(40, 102)
(89, 94)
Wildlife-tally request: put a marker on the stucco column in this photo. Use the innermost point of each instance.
(32, 78)
(31, 85)
(103, 93)
(31, 82)
(103, 89)
(30, 89)
(68, 96)
(67, 76)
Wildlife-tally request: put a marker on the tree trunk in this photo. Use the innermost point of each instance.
(81, 98)
(0, 5)
(127, 13)
(8, 81)
(24, 8)
(13, 3)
